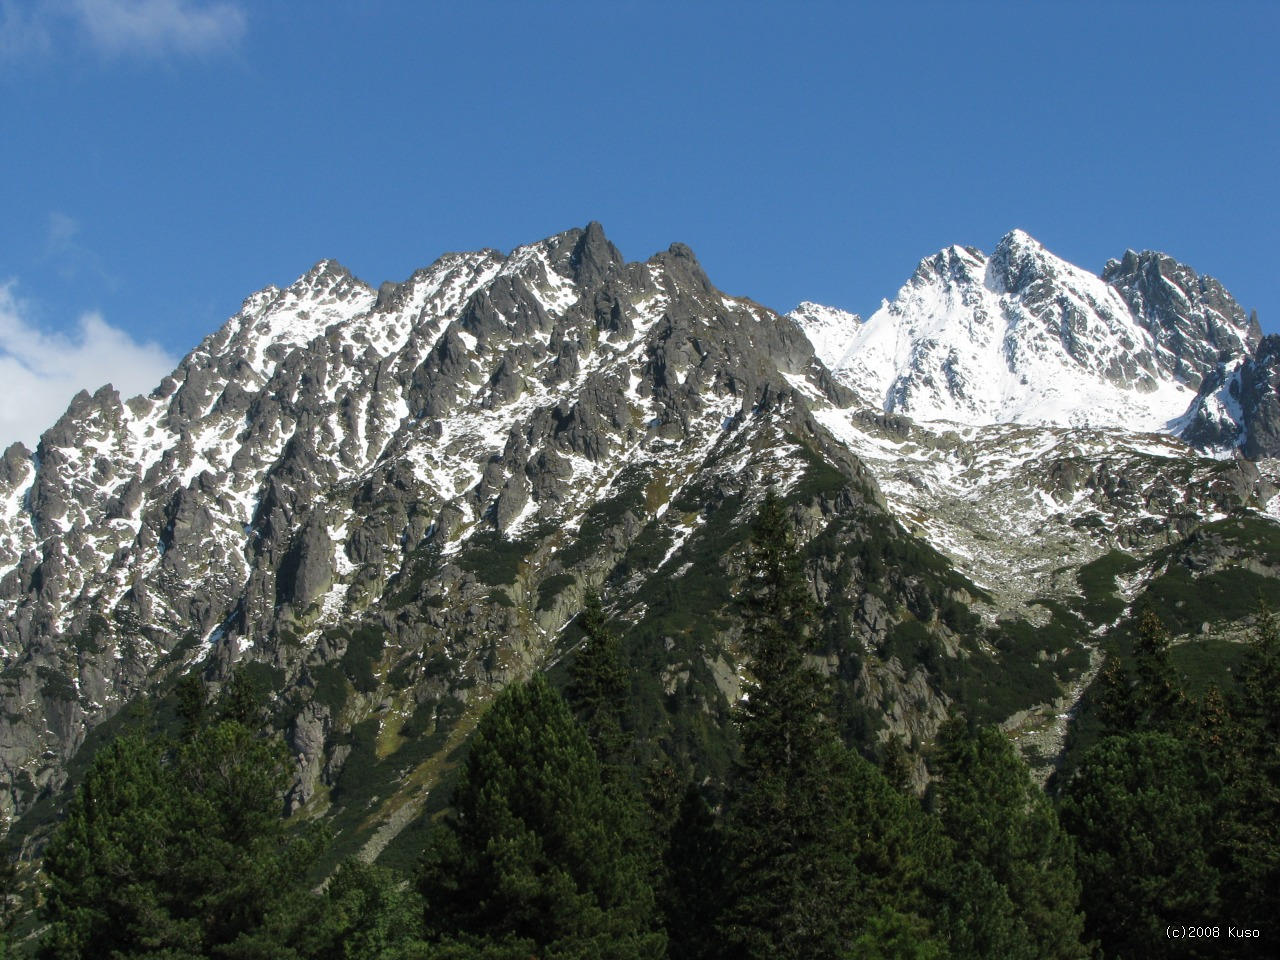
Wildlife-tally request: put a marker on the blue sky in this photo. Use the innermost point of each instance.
(162, 159)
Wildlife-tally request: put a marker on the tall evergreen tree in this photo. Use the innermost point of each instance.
(12, 901)
(788, 890)
(109, 863)
(600, 692)
(1137, 807)
(693, 880)
(538, 856)
(1250, 803)
(817, 841)
(999, 819)
(363, 913)
(1145, 692)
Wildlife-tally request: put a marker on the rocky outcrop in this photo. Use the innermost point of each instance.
(386, 504)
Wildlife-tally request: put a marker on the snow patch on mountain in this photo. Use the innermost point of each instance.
(1018, 337)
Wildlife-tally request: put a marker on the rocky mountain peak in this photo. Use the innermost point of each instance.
(954, 265)
(1026, 337)
(1019, 262)
(1195, 322)
(388, 503)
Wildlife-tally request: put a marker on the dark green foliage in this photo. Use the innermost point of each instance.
(55, 685)
(817, 841)
(785, 878)
(599, 692)
(365, 777)
(1205, 663)
(819, 478)
(173, 850)
(364, 651)
(1101, 601)
(193, 708)
(1144, 829)
(978, 919)
(364, 913)
(240, 699)
(684, 619)
(420, 566)
(1144, 692)
(493, 558)
(1185, 601)
(1248, 753)
(693, 880)
(890, 935)
(626, 496)
(896, 763)
(12, 902)
(1032, 663)
(538, 856)
(105, 871)
(1002, 822)
(330, 686)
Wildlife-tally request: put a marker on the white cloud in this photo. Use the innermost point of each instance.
(158, 28)
(41, 371)
(153, 29)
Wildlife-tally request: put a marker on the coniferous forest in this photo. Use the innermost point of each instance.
(567, 838)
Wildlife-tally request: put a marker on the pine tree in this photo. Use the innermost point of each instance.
(787, 891)
(175, 850)
(12, 901)
(364, 913)
(896, 763)
(1250, 803)
(693, 880)
(538, 856)
(999, 819)
(234, 856)
(1159, 693)
(109, 863)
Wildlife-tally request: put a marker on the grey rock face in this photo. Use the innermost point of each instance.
(391, 502)
(339, 456)
(1195, 322)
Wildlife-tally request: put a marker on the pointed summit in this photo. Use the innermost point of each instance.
(1021, 337)
(1019, 260)
(594, 257)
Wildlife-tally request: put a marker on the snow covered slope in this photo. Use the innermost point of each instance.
(1025, 337)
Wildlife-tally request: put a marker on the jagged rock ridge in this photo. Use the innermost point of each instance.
(1024, 337)
(389, 502)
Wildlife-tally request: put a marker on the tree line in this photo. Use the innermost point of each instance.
(564, 843)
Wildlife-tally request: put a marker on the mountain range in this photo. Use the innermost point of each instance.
(387, 503)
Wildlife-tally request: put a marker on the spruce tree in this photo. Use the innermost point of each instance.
(364, 913)
(1250, 803)
(12, 901)
(1000, 820)
(787, 890)
(817, 841)
(110, 861)
(1144, 829)
(1144, 691)
(600, 692)
(693, 880)
(538, 856)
